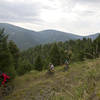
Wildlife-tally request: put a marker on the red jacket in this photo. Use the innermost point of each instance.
(5, 77)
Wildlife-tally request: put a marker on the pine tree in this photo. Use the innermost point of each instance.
(6, 60)
(62, 56)
(55, 54)
(24, 67)
(38, 63)
(15, 53)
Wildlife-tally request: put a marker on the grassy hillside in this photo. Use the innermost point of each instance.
(81, 82)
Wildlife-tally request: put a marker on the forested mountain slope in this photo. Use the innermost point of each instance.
(25, 38)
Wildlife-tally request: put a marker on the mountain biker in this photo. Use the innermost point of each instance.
(51, 67)
(66, 65)
(4, 78)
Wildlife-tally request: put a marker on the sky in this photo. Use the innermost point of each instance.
(75, 16)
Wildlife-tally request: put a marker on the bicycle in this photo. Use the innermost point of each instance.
(51, 72)
(66, 67)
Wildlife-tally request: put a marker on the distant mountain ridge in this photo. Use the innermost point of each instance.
(22, 37)
(93, 36)
(25, 38)
(54, 35)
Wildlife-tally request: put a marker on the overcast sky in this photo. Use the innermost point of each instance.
(75, 16)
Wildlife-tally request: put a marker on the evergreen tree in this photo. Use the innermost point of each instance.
(24, 67)
(38, 63)
(62, 56)
(6, 60)
(55, 54)
(15, 53)
(96, 45)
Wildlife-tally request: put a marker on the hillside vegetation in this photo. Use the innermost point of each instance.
(80, 82)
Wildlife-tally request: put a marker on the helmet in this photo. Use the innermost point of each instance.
(50, 63)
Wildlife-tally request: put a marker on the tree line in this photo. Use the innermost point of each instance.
(15, 62)
(73, 50)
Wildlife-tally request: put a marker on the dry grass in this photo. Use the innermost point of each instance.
(80, 82)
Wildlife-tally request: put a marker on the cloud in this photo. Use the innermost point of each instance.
(19, 12)
(76, 16)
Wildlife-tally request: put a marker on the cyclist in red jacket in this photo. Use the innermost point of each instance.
(4, 78)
